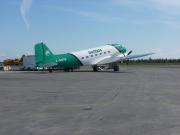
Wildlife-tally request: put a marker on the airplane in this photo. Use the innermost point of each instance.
(104, 57)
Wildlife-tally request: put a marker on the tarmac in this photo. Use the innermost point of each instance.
(138, 100)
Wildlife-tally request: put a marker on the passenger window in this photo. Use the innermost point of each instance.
(104, 52)
(92, 55)
(100, 54)
(96, 55)
(87, 57)
(108, 51)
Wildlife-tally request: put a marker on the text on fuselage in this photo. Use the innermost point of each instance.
(95, 51)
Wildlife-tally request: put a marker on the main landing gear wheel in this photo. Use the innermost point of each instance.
(50, 70)
(95, 68)
(116, 68)
(67, 70)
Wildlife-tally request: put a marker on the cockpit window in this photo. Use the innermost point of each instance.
(120, 48)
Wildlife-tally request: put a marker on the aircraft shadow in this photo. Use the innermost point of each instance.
(88, 71)
(79, 71)
(84, 71)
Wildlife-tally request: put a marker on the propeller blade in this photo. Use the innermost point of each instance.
(130, 52)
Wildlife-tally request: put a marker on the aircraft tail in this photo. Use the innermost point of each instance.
(43, 56)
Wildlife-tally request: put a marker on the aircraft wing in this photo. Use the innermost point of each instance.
(105, 60)
(137, 56)
(108, 59)
(112, 59)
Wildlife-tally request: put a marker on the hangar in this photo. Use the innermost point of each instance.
(29, 62)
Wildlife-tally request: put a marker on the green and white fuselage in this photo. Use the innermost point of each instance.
(108, 54)
(100, 55)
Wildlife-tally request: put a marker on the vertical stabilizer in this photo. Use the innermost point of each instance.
(43, 56)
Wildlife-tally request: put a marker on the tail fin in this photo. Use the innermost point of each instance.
(43, 56)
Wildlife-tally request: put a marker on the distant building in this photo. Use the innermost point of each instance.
(13, 68)
(1, 65)
(29, 62)
(13, 64)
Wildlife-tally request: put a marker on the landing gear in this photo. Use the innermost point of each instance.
(116, 68)
(68, 70)
(50, 70)
(95, 68)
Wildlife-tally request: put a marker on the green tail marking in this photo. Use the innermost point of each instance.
(43, 56)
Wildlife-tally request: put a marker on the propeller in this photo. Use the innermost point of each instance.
(126, 61)
(129, 52)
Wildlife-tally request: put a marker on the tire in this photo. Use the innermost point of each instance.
(66, 70)
(95, 68)
(116, 68)
(50, 70)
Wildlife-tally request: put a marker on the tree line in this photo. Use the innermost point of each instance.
(153, 61)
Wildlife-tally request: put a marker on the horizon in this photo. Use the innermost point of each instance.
(66, 26)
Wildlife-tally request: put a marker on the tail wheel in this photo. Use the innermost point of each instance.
(95, 68)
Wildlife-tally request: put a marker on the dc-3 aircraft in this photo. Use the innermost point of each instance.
(100, 58)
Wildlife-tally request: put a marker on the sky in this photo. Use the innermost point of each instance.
(70, 25)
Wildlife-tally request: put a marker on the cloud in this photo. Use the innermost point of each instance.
(96, 16)
(99, 17)
(166, 3)
(158, 4)
(166, 12)
(160, 16)
(25, 7)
